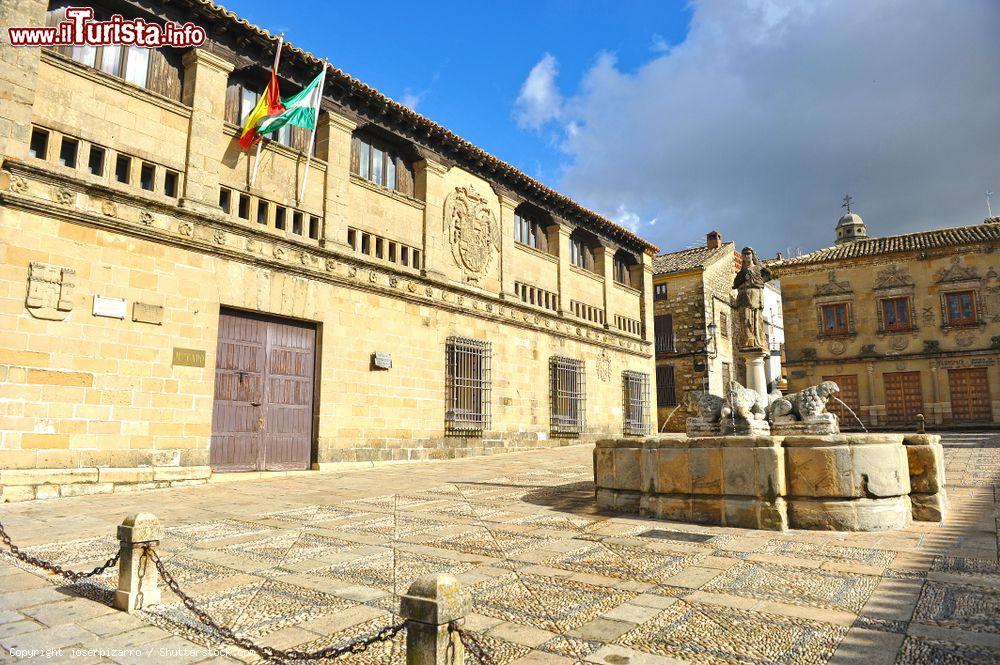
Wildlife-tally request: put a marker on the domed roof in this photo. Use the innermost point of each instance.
(850, 219)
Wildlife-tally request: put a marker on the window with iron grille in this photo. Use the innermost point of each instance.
(468, 386)
(666, 389)
(568, 398)
(635, 403)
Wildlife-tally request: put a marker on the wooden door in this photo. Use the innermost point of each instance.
(903, 397)
(850, 395)
(262, 415)
(970, 395)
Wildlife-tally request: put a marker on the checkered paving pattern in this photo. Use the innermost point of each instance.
(320, 560)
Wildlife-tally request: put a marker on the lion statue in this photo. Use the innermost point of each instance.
(706, 406)
(744, 403)
(808, 404)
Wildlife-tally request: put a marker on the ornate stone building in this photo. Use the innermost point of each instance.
(692, 306)
(905, 324)
(160, 318)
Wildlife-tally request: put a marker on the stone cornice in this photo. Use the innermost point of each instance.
(39, 190)
(896, 357)
(202, 57)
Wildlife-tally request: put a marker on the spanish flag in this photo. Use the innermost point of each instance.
(269, 105)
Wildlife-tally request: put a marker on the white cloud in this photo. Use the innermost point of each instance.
(411, 99)
(539, 100)
(770, 110)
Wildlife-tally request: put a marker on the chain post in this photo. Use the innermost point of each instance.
(434, 608)
(138, 576)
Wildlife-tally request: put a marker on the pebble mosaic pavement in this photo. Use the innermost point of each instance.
(314, 560)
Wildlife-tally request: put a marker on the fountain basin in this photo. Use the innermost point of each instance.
(850, 482)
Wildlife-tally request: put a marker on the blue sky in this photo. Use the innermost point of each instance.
(750, 117)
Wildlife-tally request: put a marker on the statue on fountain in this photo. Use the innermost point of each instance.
(743, 412)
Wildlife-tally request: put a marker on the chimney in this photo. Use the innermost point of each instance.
(713, 240)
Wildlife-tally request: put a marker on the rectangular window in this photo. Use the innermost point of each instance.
(67, 152)
(659, 292)
(225, 199)
(378, 158)
(147, 176)
(404, 256)
(529, 232)
(279, 218)
(390, 171)
(262, 209)
(136, 65)
(243, 210)
(622, 273)
(416, 258)
(896, 313)
(568, 394)
(666, 391)
(297, 223)
(314, 227)
(39, 146)
(366, 244)
(85, 54)
(170, 182)
(248, 100)
(961, 307)
(352, 239)
(835, 320)
(663, 330)
(111, 60)
(379, 243)
(123, 169)
(364, 163)
(635, 403)
(392, 251)
(724, 324)
(467, 385)
(95, 162)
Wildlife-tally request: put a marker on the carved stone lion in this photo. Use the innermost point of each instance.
(744, 403)
(804, 405)
(706, 406)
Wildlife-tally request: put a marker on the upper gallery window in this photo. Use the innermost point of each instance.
(378, 161)
(624, 270)
(835, 320)
(154, 69)
(581, 250)
(961, 308)
(528, 230)
(896, 314)
(242, 97)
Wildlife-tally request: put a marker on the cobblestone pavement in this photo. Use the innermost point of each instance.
(316, 560)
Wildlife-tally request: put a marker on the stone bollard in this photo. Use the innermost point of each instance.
(138, 578)
(431, 603)
(921, 424)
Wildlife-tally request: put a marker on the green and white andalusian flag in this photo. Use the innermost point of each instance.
(301, 110)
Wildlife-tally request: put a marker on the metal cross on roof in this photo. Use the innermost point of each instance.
(847, 203)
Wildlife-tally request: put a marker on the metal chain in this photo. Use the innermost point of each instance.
(267, 652)
(471, 644)
(71, 575)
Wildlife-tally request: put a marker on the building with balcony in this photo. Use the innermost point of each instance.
(693, 342)
(162, 319)
(906, 324)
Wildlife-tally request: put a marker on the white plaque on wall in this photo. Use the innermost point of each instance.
(113, 308)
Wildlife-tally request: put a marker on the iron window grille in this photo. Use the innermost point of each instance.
(568, 395)
(635, 403)
(666, 389)
(468, 386)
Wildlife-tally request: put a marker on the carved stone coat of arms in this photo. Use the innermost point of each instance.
(50, 290)
(473, 230)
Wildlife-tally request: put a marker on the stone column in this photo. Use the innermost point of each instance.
(756, 377)
(333, 143)
(137, 574)
(205, 79)
(429, 185)
(872, 407)
(564, 254)
(431, 603)
(936, 410)
(604, 262)
(507, 207)
(18, 78)
(646, 304)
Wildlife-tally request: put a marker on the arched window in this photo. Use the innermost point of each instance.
(382, 161)
(532, 227)
(581, 250)
(155, 69)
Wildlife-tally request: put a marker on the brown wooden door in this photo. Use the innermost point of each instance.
(262, 415)
(903, 397)
(970, 395)
(850, 396)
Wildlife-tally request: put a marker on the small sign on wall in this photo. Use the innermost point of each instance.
(146, 313)
(188, 357)
(112, 308)
(381, 360)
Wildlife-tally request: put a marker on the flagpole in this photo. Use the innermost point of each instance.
(260, 142)
(312, 134)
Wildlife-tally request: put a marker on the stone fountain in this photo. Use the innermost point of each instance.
(770, 461)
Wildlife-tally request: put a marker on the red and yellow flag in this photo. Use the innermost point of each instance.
(269, 105)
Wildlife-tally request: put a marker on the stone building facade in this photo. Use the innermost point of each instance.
(162, 320)
(692, 307)
(905, 324)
